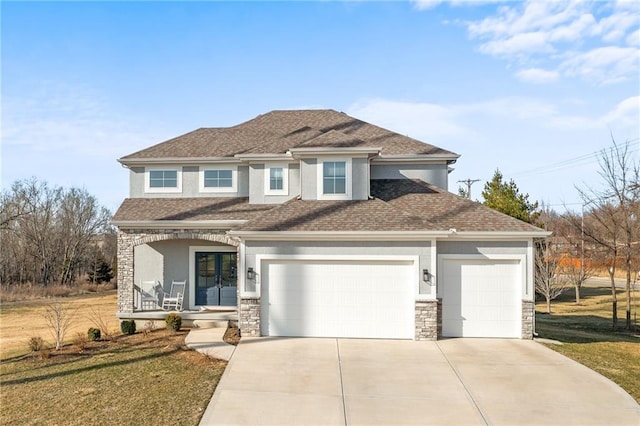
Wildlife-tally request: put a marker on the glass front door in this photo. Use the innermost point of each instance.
(216, 282)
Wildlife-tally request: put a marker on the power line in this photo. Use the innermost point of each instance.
(580, 160)
(469, 182)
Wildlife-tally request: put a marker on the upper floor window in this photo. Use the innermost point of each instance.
(276, 179)
(163, 180)
(218, 179)
(334, 179)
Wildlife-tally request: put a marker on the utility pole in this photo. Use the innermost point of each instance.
(469, 182)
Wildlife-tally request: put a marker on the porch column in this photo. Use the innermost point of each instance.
(125, 273)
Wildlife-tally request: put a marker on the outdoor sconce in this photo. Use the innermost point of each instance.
(426, 276)
(251, 274)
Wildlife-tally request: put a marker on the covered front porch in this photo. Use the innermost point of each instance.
(152, 262)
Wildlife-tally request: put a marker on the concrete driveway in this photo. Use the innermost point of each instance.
(298, 381)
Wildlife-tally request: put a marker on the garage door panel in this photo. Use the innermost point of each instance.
(481, 298)
(338, 299)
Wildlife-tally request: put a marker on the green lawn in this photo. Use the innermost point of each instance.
(587, 335)
(133, 380)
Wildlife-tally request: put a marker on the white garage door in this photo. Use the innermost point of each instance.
(338, 299)
(481, 298)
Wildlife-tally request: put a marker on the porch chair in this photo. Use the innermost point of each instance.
(149, 295)
(175, 297)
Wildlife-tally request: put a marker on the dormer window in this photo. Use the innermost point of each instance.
(334, 179)
(165, 179)
(218, 178)
(276, 179)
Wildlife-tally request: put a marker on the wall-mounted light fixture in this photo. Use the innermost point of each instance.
(251, 274)
(426, 276)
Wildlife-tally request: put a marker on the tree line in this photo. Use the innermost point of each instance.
(54, 235)
(603, 236)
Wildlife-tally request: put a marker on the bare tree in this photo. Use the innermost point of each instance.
(549, 282)
(611, 221)
(58, 318)
(47, 234)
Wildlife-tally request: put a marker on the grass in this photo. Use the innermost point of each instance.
(19, 321)
(587, 336)
(130, 380)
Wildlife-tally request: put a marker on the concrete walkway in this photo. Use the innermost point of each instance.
(209, 342)
(281, 381)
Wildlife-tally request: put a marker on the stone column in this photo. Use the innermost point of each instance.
(528, 318)
(428, 320)
(249, 316)
(125, 273)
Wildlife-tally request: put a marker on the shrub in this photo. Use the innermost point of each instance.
(93, 334)
(36, 344)
(128, 326)
(174, 321)
(80, 342)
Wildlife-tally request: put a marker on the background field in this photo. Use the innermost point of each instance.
(19, 321)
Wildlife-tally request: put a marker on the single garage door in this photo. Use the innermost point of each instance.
(329, 298)
(481, 298)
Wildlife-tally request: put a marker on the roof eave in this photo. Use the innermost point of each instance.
(417, 158)
(176, 160)
(314, 151)
(179, 224)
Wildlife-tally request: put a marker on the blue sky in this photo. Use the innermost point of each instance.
(532, 88)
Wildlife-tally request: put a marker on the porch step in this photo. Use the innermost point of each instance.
(203, 323)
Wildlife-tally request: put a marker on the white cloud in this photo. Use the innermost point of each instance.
(634, 38)
(603, 65)
(527, 33)
(537, 75)
(517, 45)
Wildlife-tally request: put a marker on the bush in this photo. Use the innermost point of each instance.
(36, 344)
(80, 342)
(93, 334)
(174, 322)
(128, 326)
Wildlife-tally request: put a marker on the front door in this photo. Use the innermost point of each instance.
(216, 282)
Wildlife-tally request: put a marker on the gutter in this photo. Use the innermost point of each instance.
(178, 224)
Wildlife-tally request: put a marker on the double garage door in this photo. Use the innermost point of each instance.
(376, 299)
(333, 298)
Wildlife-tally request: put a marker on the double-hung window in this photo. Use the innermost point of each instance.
(334, 179)
(276, 179)
(163, 180)
(218, 179)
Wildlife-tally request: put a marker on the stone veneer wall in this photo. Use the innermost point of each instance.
(428, 320)
(249, 317)
(528, 318)
(130, 238)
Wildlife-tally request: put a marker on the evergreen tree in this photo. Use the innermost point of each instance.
(99, 270)
(506, 198)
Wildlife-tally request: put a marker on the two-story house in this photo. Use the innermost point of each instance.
(315, 223)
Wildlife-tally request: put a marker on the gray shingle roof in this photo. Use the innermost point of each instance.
(144, 209)
(399, 205)
(443, 209)
(278, 131)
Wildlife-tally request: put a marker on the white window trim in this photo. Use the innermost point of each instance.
(234, 178)
(147, 180)
(320, 179)
(285, 179)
